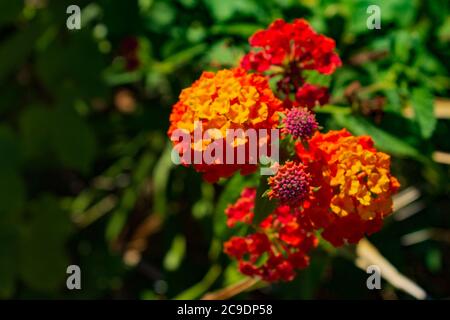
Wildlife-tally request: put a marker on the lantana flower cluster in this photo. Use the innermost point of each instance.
(278, 247)
(287, 50)
(359, 185)
(228, 99)
(332, 184)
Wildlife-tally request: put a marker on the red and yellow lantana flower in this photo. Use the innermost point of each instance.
(334, 184)
(356, 180)
(228, 99)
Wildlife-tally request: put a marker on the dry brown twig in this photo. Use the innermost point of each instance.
(232, 290)
(368, 255)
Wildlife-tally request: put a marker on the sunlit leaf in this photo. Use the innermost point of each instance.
(176, 253)
(422, 103)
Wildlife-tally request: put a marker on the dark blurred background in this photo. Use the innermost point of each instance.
(85, 170)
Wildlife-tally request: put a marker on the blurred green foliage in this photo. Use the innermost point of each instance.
(85, 170)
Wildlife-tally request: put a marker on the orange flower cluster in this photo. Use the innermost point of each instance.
(342, 188)
(355, 185)
(334, 183)
(228, 99)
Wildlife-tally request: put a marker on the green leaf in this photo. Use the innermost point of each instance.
(9, 149)
(222, 54)
(12, 192)
(175, 61)
(316, 78)
(200, 288)
(72, 140)
(263, 206)
(332, 109)
(402, 46)
(9, 236)
(195, 33)
(224, 10)
(394, 102)
(422, 103)
(390, 11)
(43, 258)
(160, 16)
(433, 260)
(232, 274)
(15, 50)
(161, 174)
(61, 133)
(121, 17)
(244, 30)
(34, 124)
(115, 224)
(66, 73)
(204, 206)
(357, 13)
(176, 253)
(8, 99)
(443, 32)
(9, 10)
